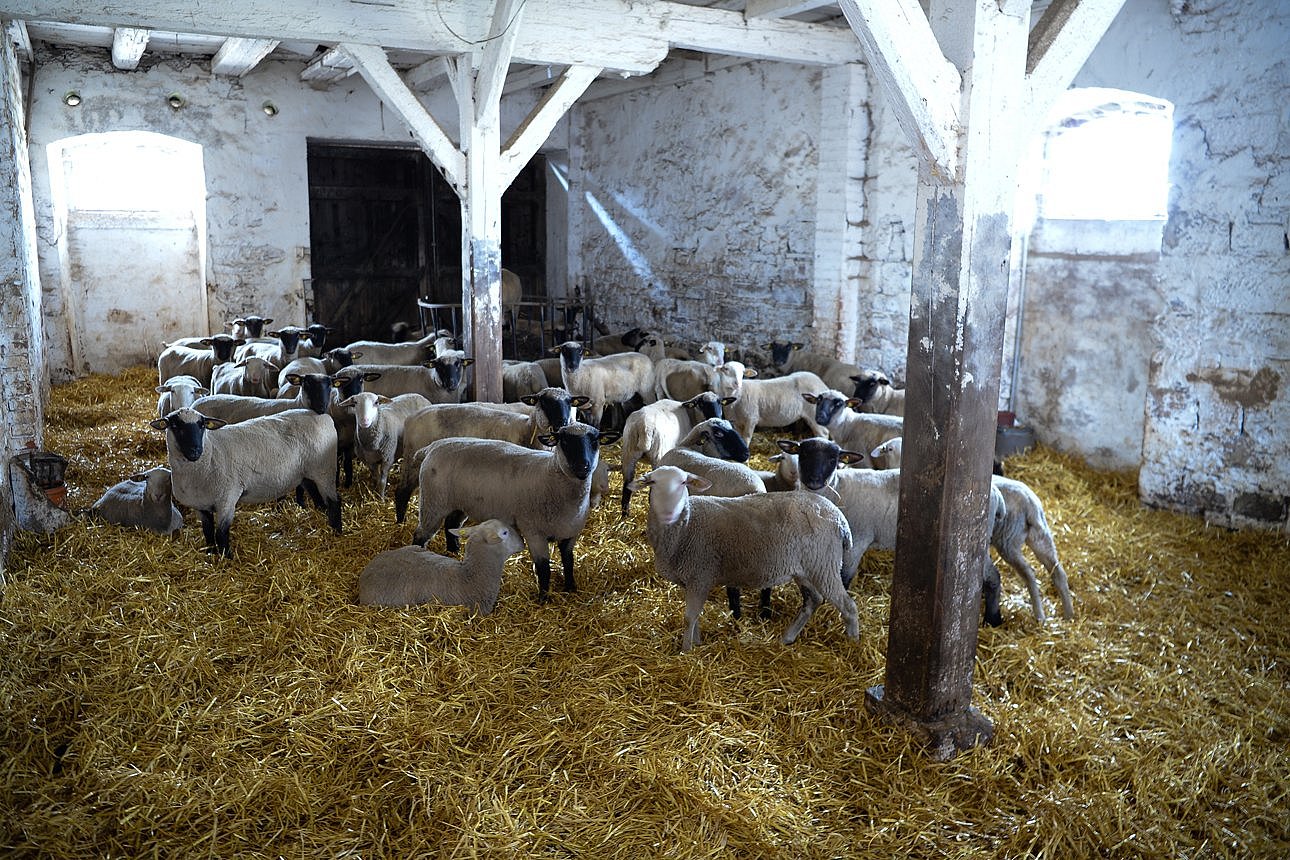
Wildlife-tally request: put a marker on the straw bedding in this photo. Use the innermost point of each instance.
(161, 702)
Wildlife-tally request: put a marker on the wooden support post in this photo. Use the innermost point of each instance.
(960, 283)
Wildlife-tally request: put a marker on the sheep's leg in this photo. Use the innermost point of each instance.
(311, 487)
(348, 459)
(382, 477)
(401, 497)
(629, 475)
(208, 528)
(1040, 542)
(835, 594)
(810, 603)
(1014, 557)
(763, 601)
(694, 600)
(991, 585)
(732, 598)
(566, 562)
(452, 521)
(333, 513)
(222, 543)
(300, 495)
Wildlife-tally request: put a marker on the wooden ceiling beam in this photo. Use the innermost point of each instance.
(128, 44)
(529, 136)
(496, 59)
(1060, 44)
(782, 8)
(21, 40)
(236, 56)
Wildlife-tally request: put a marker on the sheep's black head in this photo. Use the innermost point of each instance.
(188, 428)
(780, 351)
(709, 405)
(867, 385)
(557, 405)
(253, 325)
(316, 388)
(222, 346)
(447, 369)
(289, 336)
(828, 405)
(720, 439)
(578, 445)
(571, 353)
(817, 460)
(317, 334)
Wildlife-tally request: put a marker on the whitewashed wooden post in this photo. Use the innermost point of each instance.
(968, 113)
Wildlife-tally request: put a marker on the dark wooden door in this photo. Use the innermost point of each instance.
(385, 230)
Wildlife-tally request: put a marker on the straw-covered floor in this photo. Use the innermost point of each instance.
(159, 702)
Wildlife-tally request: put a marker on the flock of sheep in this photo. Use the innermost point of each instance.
(252, 416)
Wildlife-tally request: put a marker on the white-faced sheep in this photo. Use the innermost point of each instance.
(850, 429)
(215, 467)
(178, 392)
(545, 493)
(873, 390)
(887, 455)
(196, 361)
(439, 380)
(652, 431)
(758, 541)
(378, 430)
(413, 574)
(251, 376)
(611, 379)
(143, 500)
(713, 352)
(769, 403)
(1023, 523)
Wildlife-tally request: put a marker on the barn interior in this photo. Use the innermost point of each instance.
(748, 171)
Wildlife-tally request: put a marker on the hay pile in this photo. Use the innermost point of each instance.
(159, 702)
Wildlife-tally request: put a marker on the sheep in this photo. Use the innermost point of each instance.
(611, 379)
(400, 332)
(870, 500)
(144, 500)
(1023, 523)
(346, 383)
(412, 352)
(652, 431)
(756, 541)
(328, 363)
(439, 380)
(785, 475)
(178, 392)
(197, 362)
(413, 574)
(678, 379)
(729, 379)
(520, 378)
(548, 410)
(285, 350)
(314, 392)
(873, 390)
(611, 344)
(251, 376)
(770, 402)
(790, 357)
(887, 455)
(378, 422)
(214, 467)
(713, 352)
(249, 326)
(545, 493)
(316, 337)
(850, 429)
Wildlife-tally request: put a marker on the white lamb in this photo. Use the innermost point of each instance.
(215, 467)
(413, 574)
(1023, 523)
(756, 542)
(887, 455)
(545, 493)
(610, 379)
(251, 376)
(178, 392)
(143, 500)
(715, 452)
(378, 430)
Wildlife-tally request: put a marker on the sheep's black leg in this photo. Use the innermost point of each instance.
(542, 566)
(311, 487)
(732, 598)
(349, 467)
(990, 588)
(627, 499)
(566, 561)
(300, 495)
(221, 537)
(333, 514)
(401, 498)
(452, 521)
(763, 611)
(208, 529)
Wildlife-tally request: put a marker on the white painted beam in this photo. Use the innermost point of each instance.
(782, 8)
(496, 60)
(236, 57)
(1059, 46)
(923, 86)
(533, 76)
(537, 126)
(427, 75)
(128, 44)
(332, 65)
(718, 31)
(21, 40)
(375, 68)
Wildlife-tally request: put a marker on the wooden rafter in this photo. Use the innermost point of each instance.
(1059, 46)
(782, 8)
(236, 57)
(128, 44)
(496, 59)
(21, 40)
(537, 127)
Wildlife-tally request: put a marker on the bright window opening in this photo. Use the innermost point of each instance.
(1106, 157)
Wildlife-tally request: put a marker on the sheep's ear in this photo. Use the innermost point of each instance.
(270, 367)
(548, 439)
(882, 380)
(162, 389)
(788, 446)
(371, 376)
(238, 321)
(586, 351)
(240, 363)
(213, 423)
(775, 458)
(467, 362)
(347, 403)
(856, 379)
(159, 423)
(609, 437)
(850, 457)
(749, 373)
(855, 402)
(381, 398)
(356, 355)
(139, 477)
(810, 398)
(338, 382)
(201, 390)
(274, 333)
(206, 341)
(697, 483)
(529, 399)
(580, 401)
(296, 379)
(463, 532)
(726, 401)
(796, 346)
(555, 350)
(267, 320)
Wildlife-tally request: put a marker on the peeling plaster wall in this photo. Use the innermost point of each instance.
(1193, 348)
(256, 171)
(698, 209)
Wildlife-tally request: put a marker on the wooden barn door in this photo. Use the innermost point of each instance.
(385, 230)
